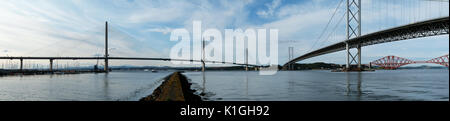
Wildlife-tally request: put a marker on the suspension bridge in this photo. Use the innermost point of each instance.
(394, 20)
(419, 26)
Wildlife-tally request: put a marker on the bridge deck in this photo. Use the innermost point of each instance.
(427, 28)
(117, 58)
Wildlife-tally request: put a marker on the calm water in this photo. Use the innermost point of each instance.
(115, 86)
(383, 85)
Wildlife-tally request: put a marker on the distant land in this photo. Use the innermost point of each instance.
(424, 67)
(303, 66)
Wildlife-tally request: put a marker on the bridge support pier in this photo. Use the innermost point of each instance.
(348, 55)
(51, 65)
(21, 64)
(203, 66)
(351, 59)
(359, 57)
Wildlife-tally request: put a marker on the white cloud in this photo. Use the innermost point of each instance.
(48, 28)
(164, 30)
(167, 11)
(44, 28)
(270, 9)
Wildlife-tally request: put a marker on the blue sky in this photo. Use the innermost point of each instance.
(141, 28)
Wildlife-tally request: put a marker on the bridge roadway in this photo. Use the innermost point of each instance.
(116, 58)
(434, 27)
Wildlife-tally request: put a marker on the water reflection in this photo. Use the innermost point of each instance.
(353, 78)
(291, 83)
(80, 87)
(204, 83)
(318, 85)
(246, 84)
(106, 86)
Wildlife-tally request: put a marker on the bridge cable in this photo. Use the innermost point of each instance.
(334, 29)
(326, 27)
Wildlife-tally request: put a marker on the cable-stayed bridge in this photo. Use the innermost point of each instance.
(394, 20)
(106, 58)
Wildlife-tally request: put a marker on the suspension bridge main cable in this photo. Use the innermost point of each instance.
(326, 27)
(334, 29)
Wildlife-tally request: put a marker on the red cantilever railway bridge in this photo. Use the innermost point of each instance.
(394, 62)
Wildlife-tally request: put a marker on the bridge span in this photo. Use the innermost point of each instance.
(394, 62)
(107, 58)
(434, 27)
(112, 58)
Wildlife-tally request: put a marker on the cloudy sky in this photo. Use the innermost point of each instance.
(141, 28)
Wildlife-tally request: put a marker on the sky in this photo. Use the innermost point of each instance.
(142, 28)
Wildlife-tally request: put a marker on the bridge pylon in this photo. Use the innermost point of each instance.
(203, 56)
(291, 57)
(353, 30)
(106, 48)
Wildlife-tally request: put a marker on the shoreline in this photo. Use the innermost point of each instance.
(176, 87)
(44, 72)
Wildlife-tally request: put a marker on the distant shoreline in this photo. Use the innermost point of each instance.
(15, 72)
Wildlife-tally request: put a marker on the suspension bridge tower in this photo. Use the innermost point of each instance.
(106, 47)
(353, 29)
